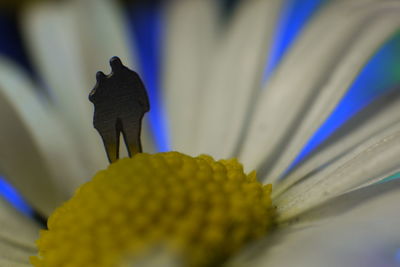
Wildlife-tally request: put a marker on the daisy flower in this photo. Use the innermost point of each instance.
(228, 91)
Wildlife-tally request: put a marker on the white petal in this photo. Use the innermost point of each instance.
(36, 154)
(380, 115)
(17, 236)
(234, 77)
(375, 158)
(191, 28)
(68, 47)
(373, 35)
(307, 69)
(157, 256)
(7, 263)
(103, 35)
(366, 234)
(51, 31)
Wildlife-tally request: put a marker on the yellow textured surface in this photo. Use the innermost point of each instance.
(199, 209)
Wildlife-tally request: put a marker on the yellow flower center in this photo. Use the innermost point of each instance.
(198, 209)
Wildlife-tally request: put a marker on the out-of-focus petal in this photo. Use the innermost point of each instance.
(102, 35)
(235, 76)
(17, 236)
(51, 32)
(313, 77)
(360, 228)
(158, 256)
(7, 263)
(68, 46)
(37, 154)
(191, 35)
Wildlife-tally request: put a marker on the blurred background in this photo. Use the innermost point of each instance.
(27, 30)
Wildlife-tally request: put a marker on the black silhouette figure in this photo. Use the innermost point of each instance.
(120, 102)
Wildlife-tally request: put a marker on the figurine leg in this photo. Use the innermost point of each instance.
(131, 131)
(110, 136)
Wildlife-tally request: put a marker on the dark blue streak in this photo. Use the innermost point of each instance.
(294, 16)
(145, 22)
(381, 73)
(11, 195)
(11, 45)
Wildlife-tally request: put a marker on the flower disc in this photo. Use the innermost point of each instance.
(199, 210)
